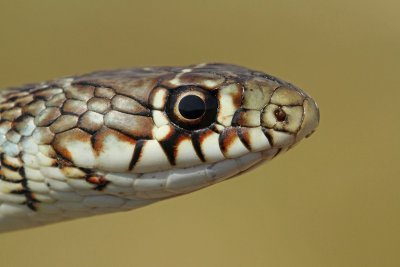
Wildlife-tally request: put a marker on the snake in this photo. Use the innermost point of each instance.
(117, 140)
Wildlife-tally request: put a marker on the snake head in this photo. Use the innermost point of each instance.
(117, 140)
(182, 129)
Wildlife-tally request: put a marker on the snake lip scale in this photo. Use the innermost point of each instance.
(117, 140)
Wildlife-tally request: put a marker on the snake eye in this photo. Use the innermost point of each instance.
(192, 108)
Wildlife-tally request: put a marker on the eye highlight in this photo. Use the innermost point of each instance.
(192, 107)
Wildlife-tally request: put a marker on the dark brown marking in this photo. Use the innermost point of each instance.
(62, 162)
(268, 136)
(196, 141)
(243, 135)
(170, 144)
(30, 197)
(98, 180)
(136, 153)
(88, 83)
(8, 164)
(226, 138)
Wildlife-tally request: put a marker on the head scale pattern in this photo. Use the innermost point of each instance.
(116, 140)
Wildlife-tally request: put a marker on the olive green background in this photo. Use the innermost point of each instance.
(332, 201)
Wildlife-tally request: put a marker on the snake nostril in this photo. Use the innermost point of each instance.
(280, 115)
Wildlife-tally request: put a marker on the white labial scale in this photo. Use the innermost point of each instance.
(281, 139)
(226, 96)
(187, 180)
(152, 158)
(82, 153)
(210, 148)
(161, 133)
(115, 154)
(186, 155)
(235, 149)
(258, 140)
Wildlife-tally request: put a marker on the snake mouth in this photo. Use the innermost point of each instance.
(169, 183)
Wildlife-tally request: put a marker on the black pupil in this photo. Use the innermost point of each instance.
(192, 107)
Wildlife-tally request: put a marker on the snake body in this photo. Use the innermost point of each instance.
(117, 140)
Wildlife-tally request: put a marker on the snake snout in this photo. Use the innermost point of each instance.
(289, 116)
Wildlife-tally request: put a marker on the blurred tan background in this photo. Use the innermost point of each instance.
(332, 201)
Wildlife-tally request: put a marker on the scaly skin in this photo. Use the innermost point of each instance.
(117, 140)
